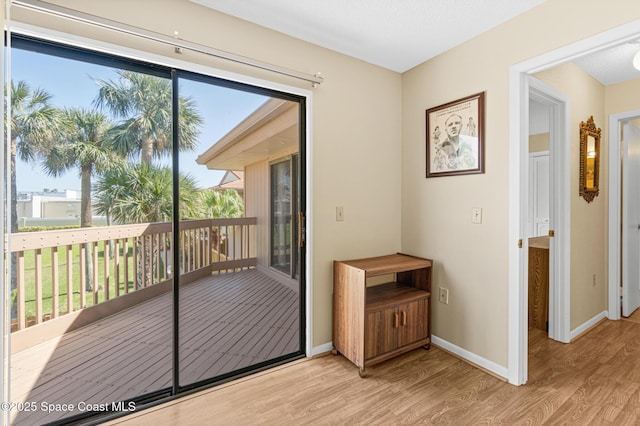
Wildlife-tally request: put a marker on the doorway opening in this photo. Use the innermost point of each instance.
(538, 223)
(624, 208)
(519, 97)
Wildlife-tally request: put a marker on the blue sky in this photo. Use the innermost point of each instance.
(71, 84)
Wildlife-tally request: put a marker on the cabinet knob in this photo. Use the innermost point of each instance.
(395, 320)
(403, 318)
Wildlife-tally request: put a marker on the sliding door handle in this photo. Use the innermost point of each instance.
(301, 229)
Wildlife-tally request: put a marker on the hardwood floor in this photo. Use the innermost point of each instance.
(635, 316)
(594, 380)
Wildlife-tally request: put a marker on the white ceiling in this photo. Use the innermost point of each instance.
(394, 34)
(400, 34)
(613, 65)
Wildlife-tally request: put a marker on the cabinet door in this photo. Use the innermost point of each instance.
(413, 322)
(381, 332)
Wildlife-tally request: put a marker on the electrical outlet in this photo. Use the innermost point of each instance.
(444, 296)
(339, 213)
(594, 280)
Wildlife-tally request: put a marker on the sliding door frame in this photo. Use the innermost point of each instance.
(303, 97)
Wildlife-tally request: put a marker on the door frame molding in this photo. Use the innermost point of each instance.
(615, 220)
(518, 175)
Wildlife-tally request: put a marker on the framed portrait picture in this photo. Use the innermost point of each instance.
(455, 137)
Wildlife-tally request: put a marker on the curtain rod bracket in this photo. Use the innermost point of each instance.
(177, 49)
(317, 75)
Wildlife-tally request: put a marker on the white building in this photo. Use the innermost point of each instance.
(49, 208)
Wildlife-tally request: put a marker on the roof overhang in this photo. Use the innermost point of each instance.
(270, 129)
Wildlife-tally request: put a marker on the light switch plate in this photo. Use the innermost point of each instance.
(476, 215)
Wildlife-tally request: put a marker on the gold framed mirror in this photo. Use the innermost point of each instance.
(589, 160)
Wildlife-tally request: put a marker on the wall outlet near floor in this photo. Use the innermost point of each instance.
(339, 213)
(444, 296)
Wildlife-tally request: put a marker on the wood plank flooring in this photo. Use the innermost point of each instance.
(228, 322)
(594, 380)
(634, 317)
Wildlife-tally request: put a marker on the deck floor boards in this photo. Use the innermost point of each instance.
(227, 322)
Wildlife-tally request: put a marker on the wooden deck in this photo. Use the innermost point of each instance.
(228, 322)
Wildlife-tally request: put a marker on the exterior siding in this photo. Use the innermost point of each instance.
(256, 201)
(257, 205)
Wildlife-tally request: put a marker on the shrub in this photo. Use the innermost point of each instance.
(46, 228)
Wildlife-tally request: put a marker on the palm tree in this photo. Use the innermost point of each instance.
(222, 204)
(34, 125)
(225, 204)
(85, 147)
(144, 193)
(144, 104)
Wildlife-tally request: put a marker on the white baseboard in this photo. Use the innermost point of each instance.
(471, 357)
(322, 349)
(587, 325)
(450, 347)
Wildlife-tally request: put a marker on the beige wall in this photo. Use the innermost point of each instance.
(623, 97)
(588, 220)
(356, 124)
(472, 260)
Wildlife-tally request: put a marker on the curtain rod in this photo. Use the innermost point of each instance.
(78, 16)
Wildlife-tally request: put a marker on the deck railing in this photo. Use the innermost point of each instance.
(59, 272)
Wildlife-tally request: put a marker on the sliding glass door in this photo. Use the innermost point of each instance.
(235, 315)
(141, 217)
(88, 208)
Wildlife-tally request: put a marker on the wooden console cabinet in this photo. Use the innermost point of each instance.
(372, 323)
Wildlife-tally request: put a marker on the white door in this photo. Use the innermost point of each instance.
(630, 219)
(539, 194)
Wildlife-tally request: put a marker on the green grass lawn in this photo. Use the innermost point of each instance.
(47, 279)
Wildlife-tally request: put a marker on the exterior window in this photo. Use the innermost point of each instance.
(284, 201)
